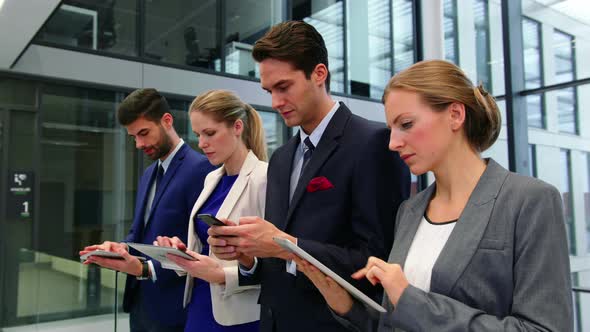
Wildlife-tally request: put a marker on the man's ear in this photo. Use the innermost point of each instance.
(456, 115)
(319, 74)
(167, 120)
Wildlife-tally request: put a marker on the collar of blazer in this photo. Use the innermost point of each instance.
(230, 201)
(466, 236)
(326, 146)
(168, 176)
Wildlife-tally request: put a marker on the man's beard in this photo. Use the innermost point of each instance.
(164, 147)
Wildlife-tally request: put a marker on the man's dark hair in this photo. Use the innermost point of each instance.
(295, 42)
(147, 103)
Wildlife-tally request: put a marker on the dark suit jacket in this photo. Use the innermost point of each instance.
(505, 266)
(181, 185)
(341, 226)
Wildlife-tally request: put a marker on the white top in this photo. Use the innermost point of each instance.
(428, 242)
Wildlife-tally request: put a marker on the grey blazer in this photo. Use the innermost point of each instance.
(505, 266)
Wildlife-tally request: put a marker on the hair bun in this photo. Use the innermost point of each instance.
(482, 90)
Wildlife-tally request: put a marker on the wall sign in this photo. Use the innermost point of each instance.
(20, 195)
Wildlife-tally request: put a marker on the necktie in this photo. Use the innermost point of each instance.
(306, 154)
(159, 177)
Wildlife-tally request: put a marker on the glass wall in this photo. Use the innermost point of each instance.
(404, 37)
(218, 35)
(533, 71)
(369, 52)
(70, 157)
(327, 16)
(586, 193)
(450, 28)
(482, 43)
(79, 170)
(562, 139)
(245, 22)
(183, 33)
(109, 26)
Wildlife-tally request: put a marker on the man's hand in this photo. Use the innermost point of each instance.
(106, 246)
(223, 251)
(129, 264)
(253, 237)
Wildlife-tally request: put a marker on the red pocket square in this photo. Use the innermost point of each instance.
(319, 183)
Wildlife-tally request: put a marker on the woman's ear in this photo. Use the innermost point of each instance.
(456, 115)
(239, 127)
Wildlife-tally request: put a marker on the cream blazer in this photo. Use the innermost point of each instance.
(232, 304)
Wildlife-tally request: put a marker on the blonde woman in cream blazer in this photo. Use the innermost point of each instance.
(230, 134)
(232, 304)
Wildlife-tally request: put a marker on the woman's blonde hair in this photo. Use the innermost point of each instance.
(441, 83)
(225, 106)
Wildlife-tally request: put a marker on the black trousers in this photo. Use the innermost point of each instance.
(140, 320)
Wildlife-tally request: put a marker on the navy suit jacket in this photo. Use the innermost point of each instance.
(341, 226)
(181, 185)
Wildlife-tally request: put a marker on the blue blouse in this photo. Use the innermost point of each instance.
(200, 310)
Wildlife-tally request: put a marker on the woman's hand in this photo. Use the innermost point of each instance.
(390, 276)
(205, 267)
(337, 297)
(173, 242)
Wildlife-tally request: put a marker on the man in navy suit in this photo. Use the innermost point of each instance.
(333, 189)
(167, 191)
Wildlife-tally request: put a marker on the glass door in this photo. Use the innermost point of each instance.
(18, 215)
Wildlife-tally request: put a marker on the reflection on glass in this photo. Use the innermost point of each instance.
(482, 42)
(274, 129)
(586, 191)
(567, 110)
(534, 109)
(568, 200)
(87, 191)
(450, 26)
(245, 22)
(182, 32)
(533, 160)
(499, 150)
(369, 54)
(96, 25)
(403, 35)
(564, 56)
(581, 300)
(327, 17)
(571, 17)
(533, 70)
(17, 92)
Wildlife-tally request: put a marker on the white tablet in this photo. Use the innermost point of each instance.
(159, 253)
(291, 247)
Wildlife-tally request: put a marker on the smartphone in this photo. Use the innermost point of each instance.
(106, 254)
(210, 220)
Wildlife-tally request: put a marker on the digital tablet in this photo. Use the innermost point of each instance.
(105, 254)
(159, 253)
(291, 247)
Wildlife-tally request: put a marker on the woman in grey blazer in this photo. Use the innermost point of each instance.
(481, 249)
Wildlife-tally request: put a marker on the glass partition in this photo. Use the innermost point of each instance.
(108, 26)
